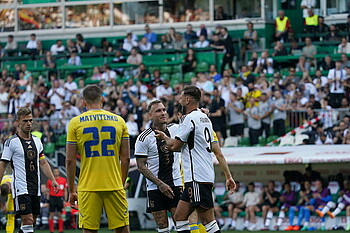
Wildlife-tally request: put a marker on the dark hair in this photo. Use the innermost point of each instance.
(193, 92)
(92, 94)
(10, 36)
(180, 109)
(33, 35)
(23, 112)
(4, 189)
(79, 37)
(251, 183)
(149, 107)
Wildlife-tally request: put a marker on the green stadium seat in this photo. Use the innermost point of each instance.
(166, 69)
(166, 76)
(176, 76)
(188, 76)
(49, 148)
(202, 67)
(90, 81)
(243, 142)
(61, 142)
(151, 69)
(262, 141)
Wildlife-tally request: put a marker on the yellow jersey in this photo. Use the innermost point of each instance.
(98, 135)
(6, 179)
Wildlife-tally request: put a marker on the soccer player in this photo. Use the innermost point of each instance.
(102, 140)
(160, 166)
(5, 190)
(194, 138)
(56, 200)
(269, 203)
(288, 199)
(25, 152)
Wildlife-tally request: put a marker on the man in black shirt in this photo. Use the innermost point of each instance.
(229, 50)
(270, 199)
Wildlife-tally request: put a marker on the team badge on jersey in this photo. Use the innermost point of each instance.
(31, 154)
(22, 207)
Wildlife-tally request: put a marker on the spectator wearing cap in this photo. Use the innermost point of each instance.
(344, 46)
(151, 36)
(57, 48)
(70, 87)
(336, 78)
(203, 31)
(282, 26)
(279, 108)
(189, 34)
(254, 121)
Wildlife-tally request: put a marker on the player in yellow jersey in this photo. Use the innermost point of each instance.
(102, 140)
(9, 206)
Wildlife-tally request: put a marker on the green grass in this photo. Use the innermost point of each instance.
(104, 230)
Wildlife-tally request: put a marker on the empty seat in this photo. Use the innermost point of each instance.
(287, 140)
(231, 141)
(299, 138)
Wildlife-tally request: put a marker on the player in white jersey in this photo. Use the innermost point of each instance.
(160, 166)
(25, 153)
(194, 138)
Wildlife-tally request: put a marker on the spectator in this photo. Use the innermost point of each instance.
(333, 34)
(253, 120)
(56, 95)
(164, 90)
(4, 95)
(336, 78)
(345, 61)
(307, 4)
(204, 84)
(11, 46)
(270, 199)
(344, 46)
(252, 63)
(71, 47)
(108, 73)
(106, 46)
(189, 62)
(129, 44)
(179, 43)
(170, 35)
(96, 73)
(203, 31)
(250, 37)
(145, 45)
(70, 87)
(282, 26)
(264, 86)
(254, 93)
(68, 111)
(201, 43)
(279, 114)
(82, 45)
(32, 45)
(236, 117)
(327, 63)
(142, 72)
(189, 34)
(134, 58)
(309, 50)
(151, 36)
(303, 65)
(279, 49)
(265, 113)
(49, 61)
(217, 44)
(326, 115)
(311, 21)
(239, 85)
(322, 27)
(164, 43)
(74, 60)
(2, 51)
(216, 114)
(219, 14)
(57, 48)
(229, 51)
(226, 88)
(251, 200)
(295, 49)
(119, 58)
(264, 64)
(132, 129)
(214, 75)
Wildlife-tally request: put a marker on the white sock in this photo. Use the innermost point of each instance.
(280, 218)
(339, 209)
(27, 228)
(164, 230)
(221, 221)
(269, 216)
(233, 223)
(330, 205)
(323, 224)
(212, 227)
(348, 220)
(246, 223)
(306, 224)
(182, 226)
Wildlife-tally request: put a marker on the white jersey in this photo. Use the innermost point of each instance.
(24, 157)
(196, 131)
(164, 164)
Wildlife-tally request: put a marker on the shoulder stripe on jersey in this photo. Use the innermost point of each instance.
(144, 134)
(7, 143)
(169, 125)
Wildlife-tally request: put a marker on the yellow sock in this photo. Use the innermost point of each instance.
(10, 225)
(194, 228)
(201, 228)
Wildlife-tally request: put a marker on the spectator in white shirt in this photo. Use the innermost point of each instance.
(56, 95)
(32, 43)
(201, 43)
(71, 88)
(133, 130)
(3, 101)
(164, 89)
(108, 73)
(336, 78)
(239, 84)
(74, 60)
(25, 98)
(69, 111)
(11, 43)
(344, 46)
(57, 48)
(129, 43)
(145, 45)
(251, 200)
(264, 64)
(226, 88)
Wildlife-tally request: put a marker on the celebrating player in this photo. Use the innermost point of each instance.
(160, 166)
(102, 140)
(196, 133)
(25, 152)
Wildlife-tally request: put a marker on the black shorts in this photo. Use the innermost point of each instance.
(27, 204)
(236, 130)
(157, 201)
(55, 204)
(198, 194)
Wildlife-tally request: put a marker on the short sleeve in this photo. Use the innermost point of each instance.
(125, 134)
(141, 149)
(7, 153)
(215, 137)
(71, 135)
(184, 129)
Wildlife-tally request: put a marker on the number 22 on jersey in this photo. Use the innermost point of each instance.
(97, 141)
